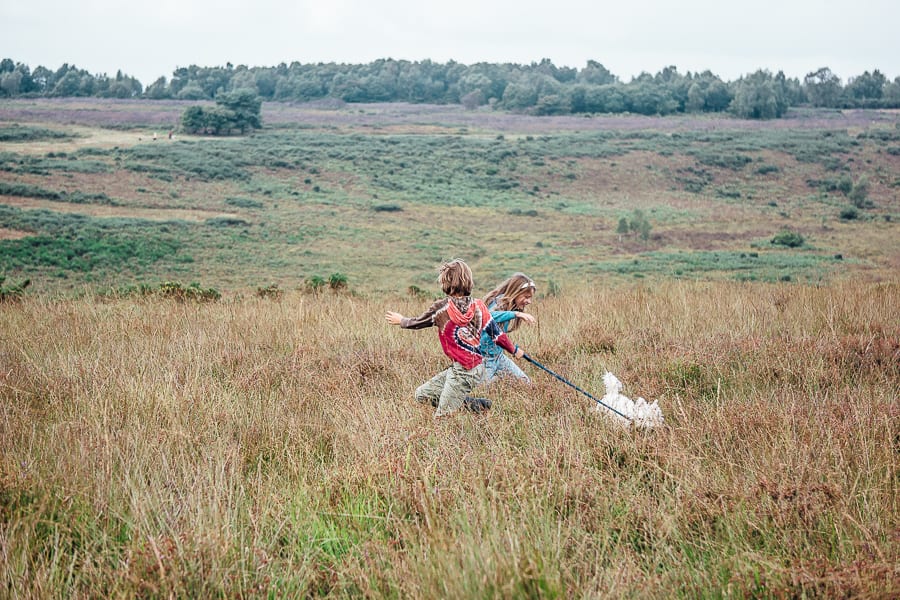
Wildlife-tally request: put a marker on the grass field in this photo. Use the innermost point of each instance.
(381, 194)
(271, 448)
(199, 395)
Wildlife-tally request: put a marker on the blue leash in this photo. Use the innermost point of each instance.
(569, 383)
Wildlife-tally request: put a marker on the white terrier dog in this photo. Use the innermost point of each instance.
(642, 414)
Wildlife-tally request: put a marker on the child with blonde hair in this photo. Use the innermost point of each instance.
(507, 303)
(461, 322)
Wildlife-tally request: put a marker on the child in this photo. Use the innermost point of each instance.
(506, 302)
(461, 322)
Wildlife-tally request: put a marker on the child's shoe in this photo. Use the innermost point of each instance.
(476, 405)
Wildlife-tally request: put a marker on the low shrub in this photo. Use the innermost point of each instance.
(192, 292)
(790, 239)
(12, 292)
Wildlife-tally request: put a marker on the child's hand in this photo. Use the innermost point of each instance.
(393, 318)
(520, 352)
(525, 317)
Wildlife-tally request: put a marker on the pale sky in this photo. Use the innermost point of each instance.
(151, 38)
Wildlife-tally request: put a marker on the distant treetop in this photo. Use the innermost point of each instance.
(538, 88)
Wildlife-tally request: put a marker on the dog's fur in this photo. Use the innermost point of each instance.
(642, 414)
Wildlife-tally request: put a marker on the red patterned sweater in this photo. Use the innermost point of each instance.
(460, 322)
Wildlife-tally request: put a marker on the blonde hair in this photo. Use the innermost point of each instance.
(455, 278)
(508, 293)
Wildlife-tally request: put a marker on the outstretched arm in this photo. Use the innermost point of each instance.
(502, 340)
(502, 316)
(426, 319)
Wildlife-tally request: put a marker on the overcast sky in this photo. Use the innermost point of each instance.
(151, 38)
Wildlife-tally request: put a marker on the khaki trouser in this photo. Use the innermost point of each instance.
(448, 389)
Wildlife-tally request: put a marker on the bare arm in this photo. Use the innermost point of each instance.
(394, 318)
(528, 318)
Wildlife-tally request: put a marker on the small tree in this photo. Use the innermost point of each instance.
(638, 224)
(859, 193)
(244, 105)
(233, 110)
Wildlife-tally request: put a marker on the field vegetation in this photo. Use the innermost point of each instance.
(380, 194)
(199, 396)
(269, 446)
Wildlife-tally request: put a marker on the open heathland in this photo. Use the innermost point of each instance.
(200, 396)
(96, 193)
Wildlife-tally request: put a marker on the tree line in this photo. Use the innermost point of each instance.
(538, 88)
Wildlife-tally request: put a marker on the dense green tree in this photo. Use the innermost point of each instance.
(892, 93)
(265, 83)
(553, 104)
(67, 85)
(756, 96)
(43, 79)
(596, 74)
(707, 93)
(868, 86)
(158, 90)
(192, 91)
(243, 79)
(540, 87)
(10, 83)
(647, 98)
(239, 110)
(519, 96)
(790, 91)
(244, 107)
(823, 88)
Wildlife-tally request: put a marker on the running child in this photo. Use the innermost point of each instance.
(461, 322)
(507, 303)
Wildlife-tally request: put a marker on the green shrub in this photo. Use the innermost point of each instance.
(315, 283)
(271, 292)
(12, 292)
(859, 193)
(790, 239)
(337, 281)
(26, 133)
(193, 292)
(849, 213)
(387, 208)
(417, 292)
(244, 202)
(227, 222)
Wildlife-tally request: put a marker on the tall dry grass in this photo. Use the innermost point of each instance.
(259, 448)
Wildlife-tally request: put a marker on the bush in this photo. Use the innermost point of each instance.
(790, 239)
(638, 224)
(272, 292)
(387, 208)
(859, 194)
(12, 292)
(849, 213)
(244, 202)
(227, 222)
(315, 283)
(337, 281)
(177, 291)
(417, 292)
